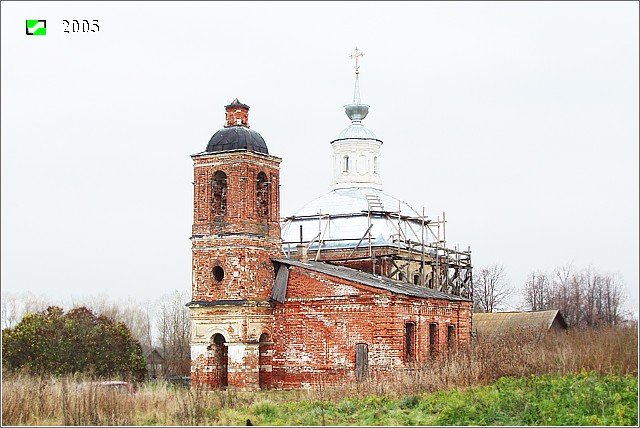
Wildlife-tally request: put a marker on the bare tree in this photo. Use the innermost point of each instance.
(591, 282)
(537, 291)
(564, 293)
(16, 306)
(490, 288)
(174, 333)
(10, 308)
(136, 316)
(586, 298)
(612, 300)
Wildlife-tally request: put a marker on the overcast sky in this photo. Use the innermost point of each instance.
(519, 120)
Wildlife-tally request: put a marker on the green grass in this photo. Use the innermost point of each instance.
(582, 399)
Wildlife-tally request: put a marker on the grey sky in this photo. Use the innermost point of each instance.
(519, 120)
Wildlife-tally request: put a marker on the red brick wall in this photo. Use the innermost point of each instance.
(236, 115)
(312, 337)
(241, 169)
(239, 242)
(316, 330)
(248, 272)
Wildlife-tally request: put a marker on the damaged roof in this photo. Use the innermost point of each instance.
(375, 281)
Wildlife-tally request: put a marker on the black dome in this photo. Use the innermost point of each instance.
(237, 137)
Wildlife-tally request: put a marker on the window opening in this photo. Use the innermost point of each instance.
(262, 196)
(219, 193)
(410, 339)
(220, 356)
(218, 273)
(264, 361)
(451, 335)
(433, 338)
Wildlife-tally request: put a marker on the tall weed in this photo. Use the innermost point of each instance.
(45, 400)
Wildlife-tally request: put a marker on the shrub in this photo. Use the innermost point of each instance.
(54, 342)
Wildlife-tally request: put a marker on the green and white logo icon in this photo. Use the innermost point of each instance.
(36, 27)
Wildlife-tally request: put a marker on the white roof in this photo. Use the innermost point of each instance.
(340, 219)
(354, 200)
(356, 130)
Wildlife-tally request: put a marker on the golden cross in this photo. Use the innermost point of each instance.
(355, 55)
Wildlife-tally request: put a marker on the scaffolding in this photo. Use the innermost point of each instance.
(416, 252)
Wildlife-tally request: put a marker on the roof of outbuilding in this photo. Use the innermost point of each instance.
(237, 137)
(499, 322)
(364, 278)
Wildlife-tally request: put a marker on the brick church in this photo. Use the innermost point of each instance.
(273, 308)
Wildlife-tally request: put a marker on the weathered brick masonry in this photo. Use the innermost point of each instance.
(323, 319)
(261, 321)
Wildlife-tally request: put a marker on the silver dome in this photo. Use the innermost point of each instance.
(356, 112)
(341, 217)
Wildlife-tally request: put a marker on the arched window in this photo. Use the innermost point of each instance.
(219, 193)
(264, 362)
(409, 342)
(220, 361)
(375, 164)
(451, 336)
(345, 164)
(433, 339)
(262, 196)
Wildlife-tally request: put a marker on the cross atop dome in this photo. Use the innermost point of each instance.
(355, 55)
(356, 151)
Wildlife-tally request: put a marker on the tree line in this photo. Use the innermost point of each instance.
(584, 297)
(162, 324)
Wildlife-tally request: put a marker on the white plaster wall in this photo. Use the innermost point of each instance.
(362, 154)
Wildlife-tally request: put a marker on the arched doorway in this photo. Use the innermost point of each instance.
(264, 361)
(219, 361)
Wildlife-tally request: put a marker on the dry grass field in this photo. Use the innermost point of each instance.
(44, 400)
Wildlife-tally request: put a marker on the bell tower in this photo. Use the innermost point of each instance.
(235, 233)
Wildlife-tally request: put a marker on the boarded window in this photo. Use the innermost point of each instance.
(362, 361)
(433, 338)
(451, 336)
(410, 342)
(219, 193)
(262, 196)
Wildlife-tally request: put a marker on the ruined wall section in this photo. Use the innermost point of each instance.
(241, 359)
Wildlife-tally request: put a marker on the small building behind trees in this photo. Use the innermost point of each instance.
(155, 364)
(496, 323)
